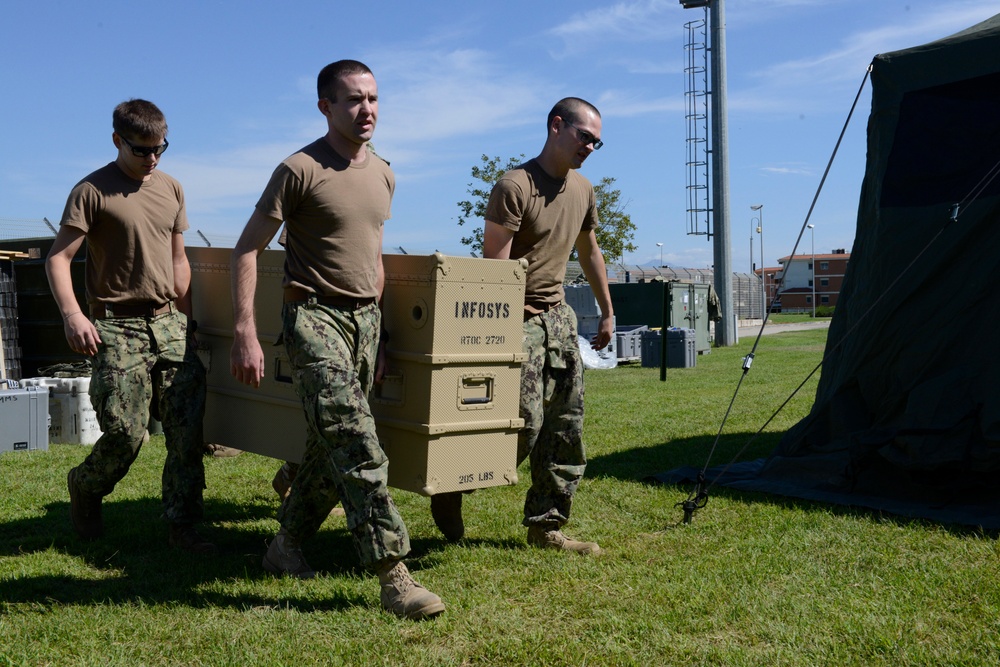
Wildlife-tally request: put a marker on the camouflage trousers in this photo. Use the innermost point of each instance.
(144, 364)
(333, 355)
(552, 409)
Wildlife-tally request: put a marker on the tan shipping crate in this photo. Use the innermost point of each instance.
(267, 420)
(448, 392)
(479, 351)
(429, 460)
(442, 305)
(212, 291)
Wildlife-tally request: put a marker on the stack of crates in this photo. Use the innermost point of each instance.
(40, 327)
(10, 350)
(447, 413)
(583, 302)
(681, 348)
(267, 420)
(628, 341)
(652, 348)
(24, 419)
(588, 316)
(72, 418)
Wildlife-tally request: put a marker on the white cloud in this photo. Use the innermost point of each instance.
(636, 21)
(462, 92)
(215, 182)
(847, 62)
(623, 104)
(692, 257)
(788, 170)
(431, 101)
(639, 65)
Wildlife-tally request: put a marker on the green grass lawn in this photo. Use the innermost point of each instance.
(790, 318)
(753, 580)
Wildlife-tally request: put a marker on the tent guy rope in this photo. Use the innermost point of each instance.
(698, 498)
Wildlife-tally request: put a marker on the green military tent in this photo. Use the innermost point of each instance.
(907, 411)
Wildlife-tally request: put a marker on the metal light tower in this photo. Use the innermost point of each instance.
(725, 329)
(660, 246)
(812, 243)
(759, 208)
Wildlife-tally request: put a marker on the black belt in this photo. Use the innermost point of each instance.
(100, 311)
(297, 294)
(543, 308)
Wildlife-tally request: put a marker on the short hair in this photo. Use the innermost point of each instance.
(139, 119)
(569, 109)
(330, 76)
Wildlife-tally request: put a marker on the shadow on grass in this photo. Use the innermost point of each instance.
(835, 509)
(638, 463)
(133, 562)
(642, 463)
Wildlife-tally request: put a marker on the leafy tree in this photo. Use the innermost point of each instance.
(614, 236)
(488, 173)
(617, 231)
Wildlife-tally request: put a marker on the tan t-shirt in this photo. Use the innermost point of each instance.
(130, 226)
(333, 213)
(546, 216)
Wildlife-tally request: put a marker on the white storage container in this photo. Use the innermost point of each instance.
(71, 414)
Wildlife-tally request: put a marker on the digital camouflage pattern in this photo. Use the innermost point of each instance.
(552, 409)
(145, 364)
(333, 354)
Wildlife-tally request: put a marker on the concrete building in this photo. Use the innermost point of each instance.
(793, 281)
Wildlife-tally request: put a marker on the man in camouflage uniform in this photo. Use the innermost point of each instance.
(334, 196)
(140, 334)
(538, 211)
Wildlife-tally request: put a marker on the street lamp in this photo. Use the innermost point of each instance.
(759, 208)
(660, 246)
(812, 243)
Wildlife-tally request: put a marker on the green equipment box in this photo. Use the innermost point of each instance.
(686, 307)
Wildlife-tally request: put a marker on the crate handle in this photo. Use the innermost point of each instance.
(476, 390)
(281, 372)
(392, 391)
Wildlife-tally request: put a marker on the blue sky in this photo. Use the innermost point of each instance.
(458, 80)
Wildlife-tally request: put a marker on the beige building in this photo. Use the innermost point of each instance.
(801, 278)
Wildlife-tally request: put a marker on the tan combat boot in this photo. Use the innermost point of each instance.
(446, 509)
(551, 538)
(84, 510)
(218, 451)
(403, 596)
(282, 482)
(284, 556)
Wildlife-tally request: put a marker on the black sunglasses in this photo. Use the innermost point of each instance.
(586, 137)
(143, 151)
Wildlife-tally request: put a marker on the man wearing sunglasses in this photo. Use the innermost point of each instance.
(139, 331)
(539, 211)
